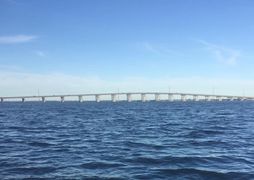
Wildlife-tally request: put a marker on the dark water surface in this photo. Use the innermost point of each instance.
(153, 140)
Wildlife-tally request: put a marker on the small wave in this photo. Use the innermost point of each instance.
(2, 115)
(33, 170)
(145, 160)
(166, 160)
(144, 145)
(100, 177)
(100, 165)
(39, 144)
(191, 173)
(203, 133)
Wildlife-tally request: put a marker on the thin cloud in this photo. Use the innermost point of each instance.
(223, 55)
(151, 48)
(17, 39)
(40, 53)
(158, 49)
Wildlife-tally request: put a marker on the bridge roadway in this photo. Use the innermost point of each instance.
(143, 96)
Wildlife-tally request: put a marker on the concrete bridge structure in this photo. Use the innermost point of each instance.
(129, 97)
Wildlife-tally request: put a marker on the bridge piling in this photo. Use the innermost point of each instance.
(62, 99)
(183, 97)
(143, 97)
(113, 97)
(170, 97)
(97, 98)
(129, 97)
(80, 99)
(157, 97)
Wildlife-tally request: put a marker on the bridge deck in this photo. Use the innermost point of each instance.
(129, 94)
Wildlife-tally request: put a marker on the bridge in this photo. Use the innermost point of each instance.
(157, 96)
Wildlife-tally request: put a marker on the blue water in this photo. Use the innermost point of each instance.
(152, 140)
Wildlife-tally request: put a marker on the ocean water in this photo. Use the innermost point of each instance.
(152, 140)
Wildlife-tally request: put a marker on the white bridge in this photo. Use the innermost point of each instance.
(142, 96)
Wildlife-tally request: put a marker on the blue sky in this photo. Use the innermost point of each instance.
(187, 45)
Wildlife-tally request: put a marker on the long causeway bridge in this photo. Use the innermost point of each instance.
(142, 96)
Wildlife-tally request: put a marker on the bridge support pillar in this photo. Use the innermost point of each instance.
(97, 98)
(207, 98)
(43, 99)
(183, 97)
(62, 98)
(129, 97)
(113, 97)
(157, 97)
(143, 97)
(2, 100)
(218, 98)
(80, 98)
(170, 97)
(23, 99)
